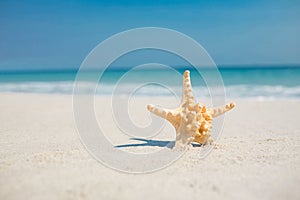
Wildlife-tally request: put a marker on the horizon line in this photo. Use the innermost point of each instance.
(122, 68)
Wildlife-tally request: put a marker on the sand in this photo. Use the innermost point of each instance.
(41, 156)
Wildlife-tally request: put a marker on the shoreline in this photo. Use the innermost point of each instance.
(244, 99)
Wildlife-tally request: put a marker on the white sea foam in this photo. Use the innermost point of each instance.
(257, 92)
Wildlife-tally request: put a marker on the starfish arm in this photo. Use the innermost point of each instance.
(172, 116)
(161, 112)
(187, 94)
(215, 112)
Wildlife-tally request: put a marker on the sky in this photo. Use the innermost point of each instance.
(60, 34)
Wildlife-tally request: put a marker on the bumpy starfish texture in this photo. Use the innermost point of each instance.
(192, 121)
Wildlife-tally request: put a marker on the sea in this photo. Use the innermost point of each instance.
(250, 82)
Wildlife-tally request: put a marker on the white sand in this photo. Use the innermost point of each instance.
(41, 157)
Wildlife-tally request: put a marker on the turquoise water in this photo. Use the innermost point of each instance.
(259, 83)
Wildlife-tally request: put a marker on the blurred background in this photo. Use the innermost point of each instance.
(255, 43)
(59, 34)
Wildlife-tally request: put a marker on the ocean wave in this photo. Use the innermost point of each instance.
(65, 87)
(258, 92)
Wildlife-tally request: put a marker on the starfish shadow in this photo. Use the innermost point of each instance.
(152, 143)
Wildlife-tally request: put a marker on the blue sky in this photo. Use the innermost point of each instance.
(59, 34)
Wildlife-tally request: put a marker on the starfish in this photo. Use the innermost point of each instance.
(192, 121)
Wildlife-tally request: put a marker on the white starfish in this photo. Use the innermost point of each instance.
(192, 121)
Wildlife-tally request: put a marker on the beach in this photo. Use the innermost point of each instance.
(149, 100)
(257, 156)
